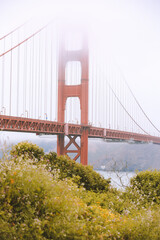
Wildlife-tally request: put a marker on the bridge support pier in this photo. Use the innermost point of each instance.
(84, 147)
(80, 91)
(60, 144)
(80, 151)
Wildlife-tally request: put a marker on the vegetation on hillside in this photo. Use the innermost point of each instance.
(43, 196)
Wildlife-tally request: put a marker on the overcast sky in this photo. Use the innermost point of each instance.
(131, 29)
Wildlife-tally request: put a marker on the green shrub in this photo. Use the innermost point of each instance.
(38, 204)
(26, 149)
(82, 175)
(34, 205)
(138, 226)
(146, 186)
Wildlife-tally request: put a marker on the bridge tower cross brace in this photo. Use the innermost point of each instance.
(80, 91)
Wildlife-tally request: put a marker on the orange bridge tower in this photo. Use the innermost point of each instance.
(80, 91)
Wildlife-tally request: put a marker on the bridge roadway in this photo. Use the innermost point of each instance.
(38, 126)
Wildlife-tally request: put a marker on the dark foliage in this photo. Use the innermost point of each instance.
(82, 175)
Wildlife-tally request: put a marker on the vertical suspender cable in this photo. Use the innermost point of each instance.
(109, 102)
(35, 80)
(115, 100)
(33, 69)
(117, 87)
(118, 110)
(119, 93)
(92, 79)
(44, 82)
(46, 75)
(105, 97)
(132, 115)
(30, 79)
(10, 95)
(124, 99)
(41, 82)
(39, 79)
(25, 76)
(51, 61)
(96, 89)
(103, 89)
(100, 96)
(106, 110)
(124, 103)
(24, 73)
(96, 113)
(111, 98)
(3, 73)
(18, 67)
(70, 79)
(96, 104)
(59, 39)
(75, 105)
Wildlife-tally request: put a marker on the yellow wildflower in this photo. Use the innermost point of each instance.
(12, 181)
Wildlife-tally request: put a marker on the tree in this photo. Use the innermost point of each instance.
(26, 149)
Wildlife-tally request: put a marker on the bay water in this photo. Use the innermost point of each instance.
(120, 180)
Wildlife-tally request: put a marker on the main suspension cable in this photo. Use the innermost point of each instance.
(25, 40)
(133, 95)
(14, 30)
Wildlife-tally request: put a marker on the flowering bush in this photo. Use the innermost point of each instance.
(39, 199)
(34, 205)
(82, 175)
(145, 186)
(26, 149)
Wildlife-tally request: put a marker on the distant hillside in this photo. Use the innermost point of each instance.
(111, 156)
(124, 156)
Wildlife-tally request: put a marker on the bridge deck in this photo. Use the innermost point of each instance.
(18, 124)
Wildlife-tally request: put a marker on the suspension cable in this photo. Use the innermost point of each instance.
(140, 106)
(17, 28)
(126, 109)
(25, 40)
(133, 95)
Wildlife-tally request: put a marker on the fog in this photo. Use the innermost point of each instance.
(129, 29)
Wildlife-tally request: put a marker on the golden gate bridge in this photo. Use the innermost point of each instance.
(59, 80)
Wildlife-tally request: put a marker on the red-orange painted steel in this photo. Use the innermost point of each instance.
(18, 124)
(80, 91)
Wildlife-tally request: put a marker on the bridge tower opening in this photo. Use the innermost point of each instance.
(80, 90)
